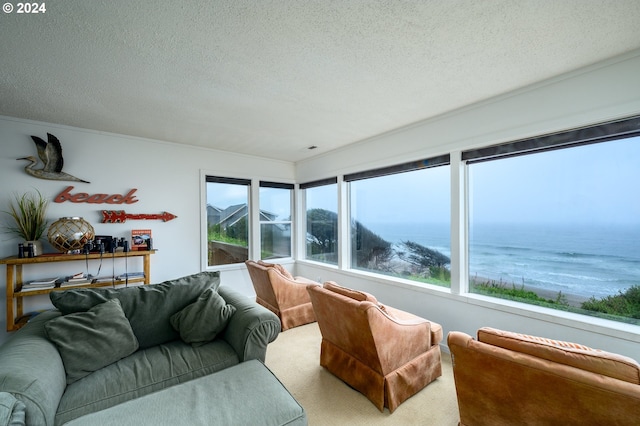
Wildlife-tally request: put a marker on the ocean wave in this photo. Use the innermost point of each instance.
(586, 261)
(582, 255)
(582, 277)
(582, 283)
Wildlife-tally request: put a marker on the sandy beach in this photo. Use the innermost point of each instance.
(572, 299)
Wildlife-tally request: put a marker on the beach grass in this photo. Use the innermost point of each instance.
(626, 304)
(623, 307)
(519, 293)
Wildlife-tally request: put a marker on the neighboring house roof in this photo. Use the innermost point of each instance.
(213, 214)
(232, 214)
(264, 215)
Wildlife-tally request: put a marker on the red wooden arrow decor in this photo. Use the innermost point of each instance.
(120, 216)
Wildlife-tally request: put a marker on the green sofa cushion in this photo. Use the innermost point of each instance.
(201, 321)
(88, 341)
(147, 307)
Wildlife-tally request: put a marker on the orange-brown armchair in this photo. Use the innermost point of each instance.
(386, 354)
(284, 295)
(507, 378)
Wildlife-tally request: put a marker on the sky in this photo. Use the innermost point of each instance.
(591, 183)
(597, 182)
(223, 195)
(421, 196)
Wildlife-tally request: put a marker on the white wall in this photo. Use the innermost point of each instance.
(599, 93)
(167, 177)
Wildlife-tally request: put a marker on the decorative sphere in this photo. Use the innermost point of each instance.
(70, 233)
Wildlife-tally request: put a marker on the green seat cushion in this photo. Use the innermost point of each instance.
(201, 321)
(141, 373)
(147, 307)
(88, 341)
(245, 394)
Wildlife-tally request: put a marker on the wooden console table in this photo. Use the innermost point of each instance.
(14, 281)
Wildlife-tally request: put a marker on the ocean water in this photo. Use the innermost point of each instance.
(583, 260)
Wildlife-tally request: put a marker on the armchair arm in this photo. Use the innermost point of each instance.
(31, 369)
(398, 341)
(289, 292)
(251, 328)
(305, 281)
(400, 317)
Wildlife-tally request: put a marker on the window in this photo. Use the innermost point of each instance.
(400, 221)
(560, 228)
(321, 204)
(227, 220)
(275, 220)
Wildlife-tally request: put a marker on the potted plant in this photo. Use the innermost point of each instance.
(28, 212)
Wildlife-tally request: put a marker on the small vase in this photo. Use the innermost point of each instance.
(37, 247)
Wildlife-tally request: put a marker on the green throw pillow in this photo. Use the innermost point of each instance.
(88, 341)
(201, 321)
(148, 307)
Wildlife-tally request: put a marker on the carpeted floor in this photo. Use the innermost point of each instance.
(294, 357)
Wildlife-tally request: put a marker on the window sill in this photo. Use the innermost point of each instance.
(241, 265)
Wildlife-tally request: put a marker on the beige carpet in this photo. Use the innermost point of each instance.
(294, 357)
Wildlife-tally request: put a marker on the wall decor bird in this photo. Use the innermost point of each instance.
(50, 153)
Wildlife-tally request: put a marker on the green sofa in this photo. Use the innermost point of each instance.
(51, 370)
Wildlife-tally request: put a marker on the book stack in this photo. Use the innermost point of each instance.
(106, 279)
(77, 279)
(130, 275)
(41, 284)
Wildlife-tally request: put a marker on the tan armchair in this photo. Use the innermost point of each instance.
(386, 354)
(284, 295)
(506, 378)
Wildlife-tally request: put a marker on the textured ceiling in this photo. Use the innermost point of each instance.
(271, 78)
